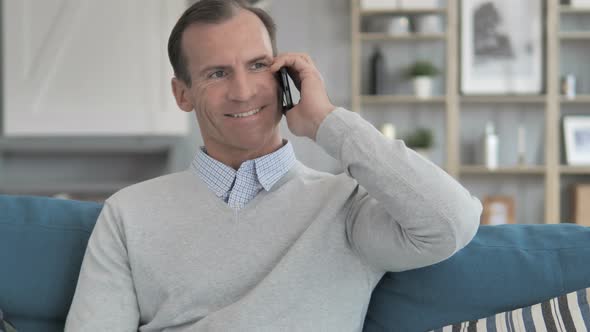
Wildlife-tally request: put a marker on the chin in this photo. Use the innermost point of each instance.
(256, 142)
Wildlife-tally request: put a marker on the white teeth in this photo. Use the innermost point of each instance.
(245, 114)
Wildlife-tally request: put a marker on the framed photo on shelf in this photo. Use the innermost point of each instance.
(498, 210)
(576, 136)
(501, 47)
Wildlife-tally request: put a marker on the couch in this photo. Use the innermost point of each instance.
(42, 243)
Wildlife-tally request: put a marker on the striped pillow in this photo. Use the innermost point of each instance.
(566, 313)
(5, 325)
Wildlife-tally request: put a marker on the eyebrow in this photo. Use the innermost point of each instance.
(219, 67)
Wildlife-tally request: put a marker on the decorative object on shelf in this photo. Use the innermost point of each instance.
(501, 52)
(377, 72)
(521, 146)
(398, 25)
(490, 147)
(576, 131)
(568, 86)
(581, 203)
(580, 3)
(379, 4)
(419, 4)
(428, 24)
(391, 25)
(420, 140)
(388, 130)
(498, 210)
(421, 73)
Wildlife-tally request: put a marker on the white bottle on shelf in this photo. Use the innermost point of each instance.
(490, 147)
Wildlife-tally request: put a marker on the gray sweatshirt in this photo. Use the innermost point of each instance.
(167, 254)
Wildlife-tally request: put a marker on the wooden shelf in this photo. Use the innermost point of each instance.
(579, 99)
(506, 99)
(393, 99)
(574, 35)
(574, 10)
(579, 170)
(402, 11)
(505, 170)
(372, 36)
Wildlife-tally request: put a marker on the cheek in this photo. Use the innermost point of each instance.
(206, 103)
(269, 88)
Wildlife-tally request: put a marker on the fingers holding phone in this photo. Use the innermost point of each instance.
(314, 105)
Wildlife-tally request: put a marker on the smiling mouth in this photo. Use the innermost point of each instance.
(245, 114)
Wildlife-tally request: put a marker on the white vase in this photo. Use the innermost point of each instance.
(423, 86)
(428, 24)
(415, 4)
(580, 3)
(379, 4)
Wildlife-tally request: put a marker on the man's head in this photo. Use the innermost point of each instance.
(221, 52)
(210, 12)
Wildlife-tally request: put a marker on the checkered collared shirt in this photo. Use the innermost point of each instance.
(237, 188)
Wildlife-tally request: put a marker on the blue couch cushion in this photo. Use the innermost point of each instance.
(43, 241)
(503, 268)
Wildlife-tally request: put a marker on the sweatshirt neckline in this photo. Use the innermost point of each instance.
(221, 206)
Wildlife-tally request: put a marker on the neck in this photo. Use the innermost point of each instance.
(234, 157)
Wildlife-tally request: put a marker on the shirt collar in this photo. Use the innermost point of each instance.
(268, 169)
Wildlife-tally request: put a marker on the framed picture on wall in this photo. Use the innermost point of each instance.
(501, 47)
(576, 132)
(498, 210)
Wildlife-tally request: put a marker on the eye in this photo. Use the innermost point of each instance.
(259, 65)
(217, 74)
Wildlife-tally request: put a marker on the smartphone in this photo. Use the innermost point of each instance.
(286, 98)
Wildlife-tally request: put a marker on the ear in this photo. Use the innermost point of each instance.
(181, 94)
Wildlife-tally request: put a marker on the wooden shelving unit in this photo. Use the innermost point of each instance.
(535, 99)
(453, 103)
(399, 99)
(575, 170)
(399, 11)
(579, 99)
(573, 10)
(516, 170)
(574, 35)
(371, 36)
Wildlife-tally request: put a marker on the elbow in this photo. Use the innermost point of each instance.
(462, 228)
(465, 224)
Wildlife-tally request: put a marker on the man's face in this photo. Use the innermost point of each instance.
(229, 66)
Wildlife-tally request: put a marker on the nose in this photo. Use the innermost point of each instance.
(242, 87)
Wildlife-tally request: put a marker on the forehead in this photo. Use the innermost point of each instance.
(240, 37)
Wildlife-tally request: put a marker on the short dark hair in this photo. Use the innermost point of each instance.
(210, 11)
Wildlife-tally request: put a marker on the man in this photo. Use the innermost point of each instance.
(248, 238)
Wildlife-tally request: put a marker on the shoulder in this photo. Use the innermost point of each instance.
(310, 176)
(162, 187)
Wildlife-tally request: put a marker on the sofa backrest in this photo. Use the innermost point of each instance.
(42, 243)
(43, 240)
(503, 268)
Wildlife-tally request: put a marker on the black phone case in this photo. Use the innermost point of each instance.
(286, 98)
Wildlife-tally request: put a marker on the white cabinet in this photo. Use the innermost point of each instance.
(81, 67)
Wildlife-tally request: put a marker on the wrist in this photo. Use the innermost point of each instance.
(320, 119)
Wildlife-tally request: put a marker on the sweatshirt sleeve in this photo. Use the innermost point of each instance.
(405, 212)
(105, 298)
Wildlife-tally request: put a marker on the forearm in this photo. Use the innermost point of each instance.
(433, 211)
